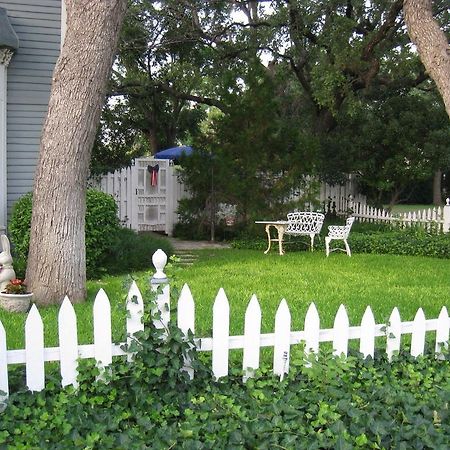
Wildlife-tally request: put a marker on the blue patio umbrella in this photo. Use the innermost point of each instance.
(174, 152)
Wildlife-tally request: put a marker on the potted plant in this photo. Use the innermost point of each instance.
(15, 296)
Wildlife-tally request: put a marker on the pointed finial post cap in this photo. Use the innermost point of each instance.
(159, 260)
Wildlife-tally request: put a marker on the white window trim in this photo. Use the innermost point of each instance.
(5, 58)
(63, 21)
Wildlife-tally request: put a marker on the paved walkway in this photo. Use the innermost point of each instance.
(179, 244)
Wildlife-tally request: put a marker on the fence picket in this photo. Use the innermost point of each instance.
(135, 310)
(393, 333)
(367, 339)
(442, 332)
(186, 321)
(312, 330)
(102, 330)
(4, 386)
(186, 311)
(282, 346)
(252, 332)
(418, 334)
(34, 348)
(221, 333)
(340, 332)
(68, 343)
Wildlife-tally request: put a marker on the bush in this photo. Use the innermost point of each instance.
(102, 226)
(130, 251)
(413, 242)
(365, 238)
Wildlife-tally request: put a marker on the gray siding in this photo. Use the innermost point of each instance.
(38, 26)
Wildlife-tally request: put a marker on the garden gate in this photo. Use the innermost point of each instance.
(147, 194)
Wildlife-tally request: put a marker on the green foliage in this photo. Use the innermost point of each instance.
(151, 403)
(19, 232)
(109, 248)
(102, 226)
(130, 251)
(413, 242)
(402, 140)
(252, 157)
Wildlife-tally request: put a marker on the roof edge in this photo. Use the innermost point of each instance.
(8, 37)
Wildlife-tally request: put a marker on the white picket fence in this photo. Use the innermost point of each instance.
(432, 219)
(35, 355)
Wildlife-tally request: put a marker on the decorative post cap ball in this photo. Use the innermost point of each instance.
(159, 260)
(447, 202)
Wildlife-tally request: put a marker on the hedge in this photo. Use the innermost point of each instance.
(412, 242)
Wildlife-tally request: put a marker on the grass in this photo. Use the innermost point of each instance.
(381, 281)
(400, 209)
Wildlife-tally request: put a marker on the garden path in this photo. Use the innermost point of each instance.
(183, 249)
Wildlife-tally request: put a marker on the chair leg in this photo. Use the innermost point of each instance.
(312, 241)
(347, 247)
(327, 245)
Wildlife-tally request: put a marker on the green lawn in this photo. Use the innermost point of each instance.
(400, 209)
(381, 281)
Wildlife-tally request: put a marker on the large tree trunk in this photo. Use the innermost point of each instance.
(431, 43)
(57, 257)
(437, 187)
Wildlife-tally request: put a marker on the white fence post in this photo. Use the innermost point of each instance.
(442, 332)
(135, 309)
(312, 330)
(418, 334)
(157, 282)
(68, 343)
(252, 332)
(282, 348)
(221, 334)
(367, 339)
(340, 330)
(34, 348)
(186, 322)
(446, 224)
(393, 333)
(102, 331)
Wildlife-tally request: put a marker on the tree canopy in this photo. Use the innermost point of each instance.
(333, 70)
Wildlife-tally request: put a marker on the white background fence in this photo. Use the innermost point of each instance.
(145, 203)
(432, 219)
(35, 355)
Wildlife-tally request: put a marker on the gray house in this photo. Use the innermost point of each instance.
(30, 41)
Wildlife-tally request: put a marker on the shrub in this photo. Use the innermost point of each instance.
(366, 238)
(413, 242)
(19, 231)
(102, 226)
(131, 251)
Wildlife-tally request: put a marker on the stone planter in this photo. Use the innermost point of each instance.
(15, 302)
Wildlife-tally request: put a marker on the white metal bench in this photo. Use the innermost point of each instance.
(304, 223)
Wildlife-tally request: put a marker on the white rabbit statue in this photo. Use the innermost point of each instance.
(6, 268)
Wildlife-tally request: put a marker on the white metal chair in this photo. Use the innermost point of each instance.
(339, 232)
